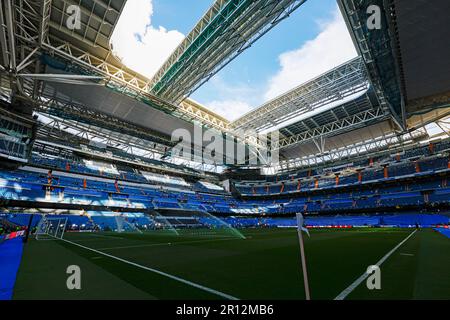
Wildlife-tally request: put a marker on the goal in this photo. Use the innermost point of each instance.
(51, 228)
(124, 226)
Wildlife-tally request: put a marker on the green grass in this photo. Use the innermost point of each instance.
(264, 266)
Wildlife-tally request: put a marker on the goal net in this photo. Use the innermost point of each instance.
(196, 223)
(123, 225)
(51, 228)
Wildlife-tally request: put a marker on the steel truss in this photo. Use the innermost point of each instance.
(26, 34)
(226, 30)
(115, 77)
(72, 111)
(32, 36)
(190, 108)
(133, 85)
(378, 49)
(16, 25)
(336, 84)
(7, 37)
(45, 20)
(109, 137)
(333, 128)
(53, 135)
(387, 143)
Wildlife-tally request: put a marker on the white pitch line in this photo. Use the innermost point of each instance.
(166, 244)
(103, 236)
(92, 240)
(363, 277)
(190, 283)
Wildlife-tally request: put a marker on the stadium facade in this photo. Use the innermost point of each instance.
(84, 137)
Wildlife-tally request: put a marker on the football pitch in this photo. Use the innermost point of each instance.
(265, 265)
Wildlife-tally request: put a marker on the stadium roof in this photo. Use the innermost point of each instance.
(399, 83)
(424, 49)
(227, 29)
(43, 36)
(407, 58)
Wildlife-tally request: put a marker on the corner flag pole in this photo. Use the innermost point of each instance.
(300, 228)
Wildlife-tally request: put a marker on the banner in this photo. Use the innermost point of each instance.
(13, 235)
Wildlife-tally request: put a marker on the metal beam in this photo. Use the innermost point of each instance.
(77, 113)
(225, 31)
(332, 86)
(377, 50)
(333, 128)
(390, 143)
(91, 132)
(10, 32)
(45, 20)
(134, 86)
(3, 42)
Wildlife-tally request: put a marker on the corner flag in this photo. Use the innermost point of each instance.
(300, 229)
(300, 226)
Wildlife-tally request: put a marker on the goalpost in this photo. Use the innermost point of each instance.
(124, 226)
(51, 228)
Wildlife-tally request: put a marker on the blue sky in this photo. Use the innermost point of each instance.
(312, 40)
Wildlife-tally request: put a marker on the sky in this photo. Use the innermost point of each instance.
(313, 40)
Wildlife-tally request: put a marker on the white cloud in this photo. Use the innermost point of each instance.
(231, 100)
(144, 48)
(230, 109)
(332, 47)
(141, 46)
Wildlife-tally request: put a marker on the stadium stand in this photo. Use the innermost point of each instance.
(404, 186)
(445, 231)
(107, 221)
(87, 140)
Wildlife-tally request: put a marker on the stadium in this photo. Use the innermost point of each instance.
(116, 185)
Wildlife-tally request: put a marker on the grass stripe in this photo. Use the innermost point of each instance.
(363, 277)
(190, 283)
(167, 244)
